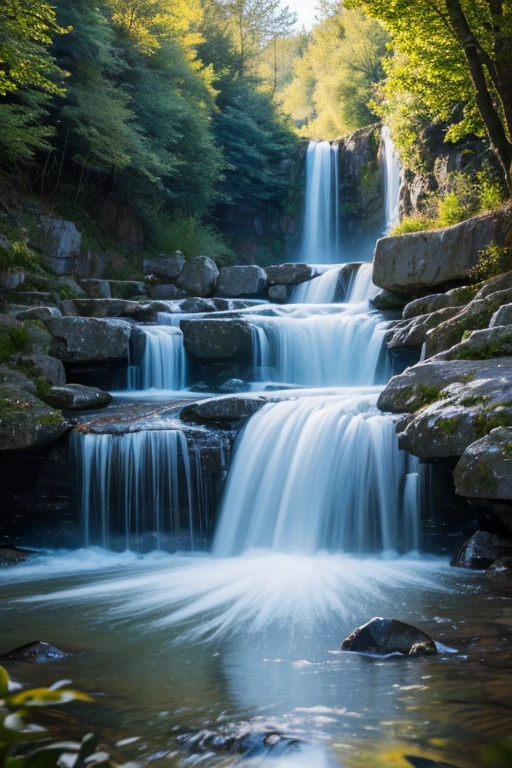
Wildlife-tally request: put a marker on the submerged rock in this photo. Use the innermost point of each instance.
(76, 397)
(481, 550)
(385, 636)
(199, 276)
(246, 741)
(36, 652)
(499, 574)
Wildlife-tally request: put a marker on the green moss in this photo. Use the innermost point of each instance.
(53, 419)
(491, 418)
(12, 341)
(468, 402)
(507, 450)
(501, 348)
(427, 395)
(65, 292)
(448, 427)
(466, 335)
(486, 479)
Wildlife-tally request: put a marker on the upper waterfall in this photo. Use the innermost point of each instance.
(321, 235)
(392, 169)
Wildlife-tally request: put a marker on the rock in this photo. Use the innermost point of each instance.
(60, 243)
(16, 380)
(485, 469)
(39, 338)
(196, 305)
(481, 345)
(36, 652)
(76, 397)
(241, 281)
(499, 574)
(385, 300)
(482, 549)
(38, 313)
(112, 308)
(414, 334)
(454, 403)
(290, 274)
(494, 284)
(41, 366)
(66, 288)
(425, 305)
(26, 422)
(167, 292)
(36, 298)
(11, 280)
(10, 557)
(216, 339)
(222, 410)
(416, 262)
(127, 289)
(385, 636)
(233, 385)
(199, 276)
(247, 740)
(502, 317)
(96, 289)
(475, 316)
(279, 294)
(165, 267)
(80, 339)
(138, 341)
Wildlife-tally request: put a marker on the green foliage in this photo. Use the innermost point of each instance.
(19, 256)
(191, 237)
(492, 261)
(12, 341)
(412, 224)
(427, 395)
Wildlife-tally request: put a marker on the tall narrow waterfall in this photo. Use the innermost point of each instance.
(321, 236)
(134, 485)
(164, 363)
(392, 166)
(319, 473)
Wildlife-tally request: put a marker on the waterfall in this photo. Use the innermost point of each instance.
(319, 473)
(134, 485)
(392, 166)
(320, 290)
(321, 236)
(362, 287)
(164, 363)
(306, 347)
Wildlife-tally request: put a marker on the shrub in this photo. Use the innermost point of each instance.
(492, 261)
(192, 237)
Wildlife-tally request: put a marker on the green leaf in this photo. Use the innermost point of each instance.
(44, 697)
(4, 683)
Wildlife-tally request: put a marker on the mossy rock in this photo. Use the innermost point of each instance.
(26, 422)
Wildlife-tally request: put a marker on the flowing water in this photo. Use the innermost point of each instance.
(392, 168)
(319, 529)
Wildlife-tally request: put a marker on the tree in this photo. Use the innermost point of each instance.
(455, 58)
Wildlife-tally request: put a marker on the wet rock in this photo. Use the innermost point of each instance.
(290, 274)
(60, 241)
(26, 422)
(87, 339)
(475, 316)
(279, 294)
(247, 741)
(385, 300)
(485, 469)
(418, 261)
(199, 276)
(36, 298)
(10, 557)
(502, 317)
(38, 313)
(165, 267)
(41, 366)
(127, 289)
(233, 385)
(103, 308)
(241, 281)
(385, 636)
(76, 397)
(499, 574)
(36, 652)
(197, 305)
(216, 339)
(414, 334)
(138, 341)
(167, 292)
(96, 289)
(15, 379)
(482, 549)
(221, 410)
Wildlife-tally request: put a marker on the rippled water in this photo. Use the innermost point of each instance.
(184, 643)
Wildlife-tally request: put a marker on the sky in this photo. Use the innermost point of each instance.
(305, 10)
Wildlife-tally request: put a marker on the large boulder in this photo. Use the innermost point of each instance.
(165, 267)
(290, 274)
(96, 289)
(217, 339)
(26, 422)
(457, 297)
(76, 397)
(241, 281)
(43, 368)
(199, 276)
(502, 317)
(89, 339)
(485, 469)
(413, 263)
(481, 550)
(385, 636)
(127, 289)
(60, 242)
(223, 410)
(499, 574)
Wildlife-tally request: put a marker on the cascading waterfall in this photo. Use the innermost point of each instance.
(310, 348)
(392, 166)
(351, 283)
(319, 473)
(362, 287)
(321, 236)
(164, 363)
(133, 485)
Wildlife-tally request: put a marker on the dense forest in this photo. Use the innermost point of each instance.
(175, 108)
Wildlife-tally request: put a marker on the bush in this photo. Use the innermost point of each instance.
(413, 224)
(192, 238)
(492, 261)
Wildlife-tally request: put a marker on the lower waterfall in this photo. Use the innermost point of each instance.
(320, 473)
